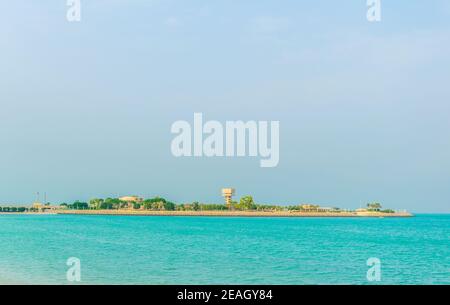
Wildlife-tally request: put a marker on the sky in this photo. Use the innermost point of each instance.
(364, 107)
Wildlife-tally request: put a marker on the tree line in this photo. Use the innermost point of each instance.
(162, 204)
(246, 203)
(16, 209)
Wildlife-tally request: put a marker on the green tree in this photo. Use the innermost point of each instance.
(195, 206)
(106, 205)
(247, 203)
(388, 211)
(374, 206)
(95, 203)
(113, 203)
(78, 205)
(169, 206)
(214, 207)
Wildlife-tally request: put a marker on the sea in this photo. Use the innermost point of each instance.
(51, 249)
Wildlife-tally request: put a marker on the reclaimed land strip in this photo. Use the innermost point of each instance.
(231, 213)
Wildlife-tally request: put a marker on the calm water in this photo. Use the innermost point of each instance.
(206, 250)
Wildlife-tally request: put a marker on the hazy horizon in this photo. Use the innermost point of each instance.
(364, 108)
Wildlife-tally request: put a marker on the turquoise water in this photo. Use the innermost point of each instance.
(208, 250)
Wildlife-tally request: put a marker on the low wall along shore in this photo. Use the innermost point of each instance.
(232, 213)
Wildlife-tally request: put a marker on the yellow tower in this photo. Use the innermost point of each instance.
(228, 194)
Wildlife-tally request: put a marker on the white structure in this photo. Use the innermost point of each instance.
(131, 199)
(228, 194)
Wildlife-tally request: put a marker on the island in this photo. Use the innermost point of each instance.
(158, 206)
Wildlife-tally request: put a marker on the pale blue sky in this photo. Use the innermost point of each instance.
(364, 108)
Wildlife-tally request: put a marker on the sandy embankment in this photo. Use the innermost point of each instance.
(28, 213)
(230, 213)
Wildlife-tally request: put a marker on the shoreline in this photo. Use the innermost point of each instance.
(28, 213)
(232, 213)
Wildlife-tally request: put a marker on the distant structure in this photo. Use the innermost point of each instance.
(44, 208)
(228, 194)
(306, 207)
(131, 199)
(38, 206)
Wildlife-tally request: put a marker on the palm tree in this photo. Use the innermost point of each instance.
(374, 206)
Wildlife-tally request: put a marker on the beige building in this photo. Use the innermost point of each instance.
(315, 208)
(131, 200)
(134, 199)
(228, 194)
(40, 207)
(309, 207)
